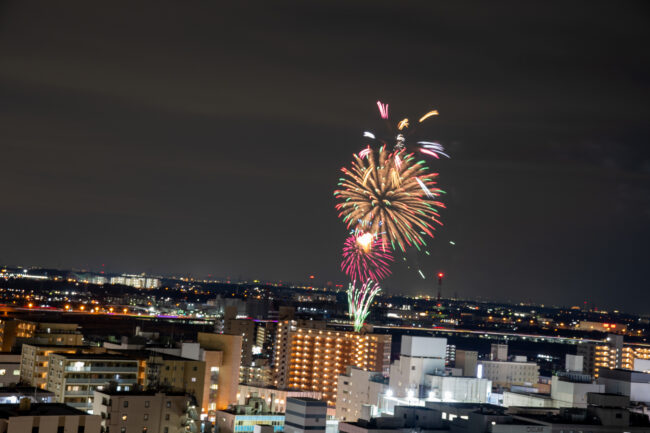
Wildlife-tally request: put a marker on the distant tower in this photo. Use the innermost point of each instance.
(440, 276)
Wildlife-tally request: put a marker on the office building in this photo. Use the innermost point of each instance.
(467, 361)
(571, 389)
(140, 411)
(419, 356)
(633, 384)
(458, 389)
(304, 415)
(73, 378)
(312, 359)
(508, 373)
(357, 390)
(498, 352)
(27, 417)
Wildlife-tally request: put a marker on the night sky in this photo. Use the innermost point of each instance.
(204, 137)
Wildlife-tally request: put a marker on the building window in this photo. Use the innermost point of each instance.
(167, 417)
(146, 416)
(123, 430)
(146, 403)
(123, 417)
(166, 430)
(126, 403)
(3, 372)
(169, 403)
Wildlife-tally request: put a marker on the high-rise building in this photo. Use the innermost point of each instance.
(305, 415)
(225, 376)
(142, 411)
(312, 358)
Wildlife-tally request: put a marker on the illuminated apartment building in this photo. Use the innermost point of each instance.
(73, 378)
(611, 353)
(15, 332)
(312, 359)
(35, 358)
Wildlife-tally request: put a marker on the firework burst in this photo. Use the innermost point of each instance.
(394, 201)
(359, 301)
(366, 257)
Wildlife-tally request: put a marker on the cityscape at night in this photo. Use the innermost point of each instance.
(324, 217)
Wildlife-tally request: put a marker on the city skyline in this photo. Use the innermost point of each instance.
(207, 140)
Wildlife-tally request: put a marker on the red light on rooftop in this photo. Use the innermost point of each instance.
(440, 275)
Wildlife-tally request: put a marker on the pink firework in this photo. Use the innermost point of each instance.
(383, 110)
(363, 260)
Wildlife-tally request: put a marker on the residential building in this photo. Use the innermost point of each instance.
(275, 398)
(223, 378)
(357, 389)
(137, 281)
(243, 418)
(9, 369)
(312, 358)
(179, 375)
(19, 331)
(304, 415)
(597, 356)
(46, 418)
(141, 411)
(259, 373)
(74, 377)
(34, 361)
(13, 394)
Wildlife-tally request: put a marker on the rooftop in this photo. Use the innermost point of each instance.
(39, 409)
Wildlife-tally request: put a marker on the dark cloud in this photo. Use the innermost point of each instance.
(206, 137)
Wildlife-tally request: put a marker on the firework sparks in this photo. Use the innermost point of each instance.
(359, 301)
(433, 149)
(376, 193)
(429, 114)
(383, 110)
(366, 257)
(404, 123)
(369, 134)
